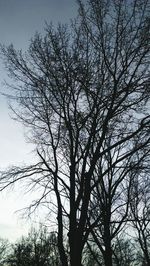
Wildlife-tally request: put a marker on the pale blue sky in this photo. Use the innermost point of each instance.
(19, 20)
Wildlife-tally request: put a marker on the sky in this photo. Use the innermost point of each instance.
(19, 20)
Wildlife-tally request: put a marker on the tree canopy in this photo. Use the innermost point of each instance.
(82, 92)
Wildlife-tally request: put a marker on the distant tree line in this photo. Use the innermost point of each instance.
(40, 248)
(37, 249)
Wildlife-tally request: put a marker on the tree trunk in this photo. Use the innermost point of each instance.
(75, 259)
(108, 256)
(75, 253)
(107, 240)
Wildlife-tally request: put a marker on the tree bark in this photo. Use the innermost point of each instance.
(75, 249)
(108, 257)
(107, 238)
(76, 257)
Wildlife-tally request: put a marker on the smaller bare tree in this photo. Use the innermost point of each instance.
(140, 213)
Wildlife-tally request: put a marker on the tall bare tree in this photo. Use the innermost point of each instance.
(80, 90)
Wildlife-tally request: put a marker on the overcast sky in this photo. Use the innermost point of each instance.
(19, 20)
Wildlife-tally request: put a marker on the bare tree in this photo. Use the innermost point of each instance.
(140, 213)
(110, 201)
(39, 248)
(79, 91)
(125, 251)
